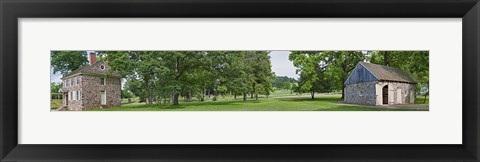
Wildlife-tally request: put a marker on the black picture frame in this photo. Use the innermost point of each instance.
(11, 10)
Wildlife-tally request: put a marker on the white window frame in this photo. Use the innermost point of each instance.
(104, 81)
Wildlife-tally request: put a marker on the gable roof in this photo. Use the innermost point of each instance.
(93, 69)
(386, 73)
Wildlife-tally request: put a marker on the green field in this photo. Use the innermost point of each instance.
(280, 100)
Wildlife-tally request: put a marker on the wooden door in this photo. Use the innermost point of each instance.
(66, 98)
(385, 95)
(103, 97)
(399, 96)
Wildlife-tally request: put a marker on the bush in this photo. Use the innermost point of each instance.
(214, 98)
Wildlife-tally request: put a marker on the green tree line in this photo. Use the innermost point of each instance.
(157, 76)
(327, 71)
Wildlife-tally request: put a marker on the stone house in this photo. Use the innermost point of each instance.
(373, 84)
(91, 86)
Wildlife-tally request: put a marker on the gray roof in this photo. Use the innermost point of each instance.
(93, 69)
(386, 73)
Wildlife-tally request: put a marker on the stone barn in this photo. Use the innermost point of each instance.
(373, 84)
(91, 86)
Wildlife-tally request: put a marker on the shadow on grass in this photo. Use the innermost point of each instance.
(184, 105)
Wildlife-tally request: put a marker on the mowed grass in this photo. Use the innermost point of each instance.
(421, 100)
(275, 102)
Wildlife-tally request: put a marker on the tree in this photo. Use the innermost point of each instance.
(341, 63)
(65, 62)
(127, 94)
(308, 63)
(55, 87)
(287, 85)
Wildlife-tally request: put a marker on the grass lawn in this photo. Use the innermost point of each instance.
(54, 104)
(282, 101)
(420, 100)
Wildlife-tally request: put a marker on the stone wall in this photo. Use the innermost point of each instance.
(92, 88)
(69, 89)
(361, 93)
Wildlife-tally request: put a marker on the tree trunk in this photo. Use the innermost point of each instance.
(203, 93)
(313, 94)
(235, 96)
(149, 93)
(256, 96)
(189, 96)
(344, 77)
(177, 76)
(425, 98)
(244, 97)
(385, 58)
(253, 90)
(175, 98)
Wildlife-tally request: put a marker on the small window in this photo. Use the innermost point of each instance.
(71, 81)
(102, 81)
(102, 67)
(78, 80)
(78, 95)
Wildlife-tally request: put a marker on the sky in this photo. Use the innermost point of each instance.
(55, 77)
(281, 65)
(279, 59)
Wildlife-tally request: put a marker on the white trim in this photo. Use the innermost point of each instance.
(104, 81)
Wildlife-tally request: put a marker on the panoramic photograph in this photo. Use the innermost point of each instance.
(93, 80)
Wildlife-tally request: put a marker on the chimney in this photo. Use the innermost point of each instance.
(93, 58)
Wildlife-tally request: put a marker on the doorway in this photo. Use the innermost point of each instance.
(66, 98)
(385, 95)
(103, 97)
